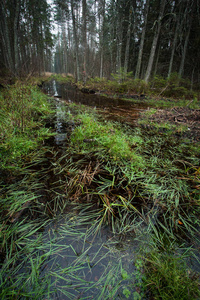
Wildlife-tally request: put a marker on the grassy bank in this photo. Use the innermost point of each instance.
(23, 107)
(159, 91)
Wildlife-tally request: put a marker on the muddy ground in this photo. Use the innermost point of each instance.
(180, 116)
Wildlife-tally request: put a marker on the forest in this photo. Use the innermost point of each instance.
(99, 149)
(100, 38)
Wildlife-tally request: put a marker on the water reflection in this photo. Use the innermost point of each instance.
(113, 109)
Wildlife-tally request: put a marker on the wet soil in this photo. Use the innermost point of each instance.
(180, 116)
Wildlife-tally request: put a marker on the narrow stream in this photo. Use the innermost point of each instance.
(124, 111)
(88, 260)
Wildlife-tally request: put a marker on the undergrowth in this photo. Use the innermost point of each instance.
(166, 267)
(160, 91)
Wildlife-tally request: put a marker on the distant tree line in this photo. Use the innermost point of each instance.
(146, 37)
(25, 37)
(102, 37)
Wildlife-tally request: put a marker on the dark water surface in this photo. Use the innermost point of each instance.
(89, 263)
(124, 111)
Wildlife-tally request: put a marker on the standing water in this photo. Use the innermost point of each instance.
(84, 258)
(123, 111)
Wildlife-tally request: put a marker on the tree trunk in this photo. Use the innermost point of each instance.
(181, 69)
(15, 29)
(6, 38)
(173, 49)
(84, 34)
(155, 41)
(101, 37)
(119, 48)
(128, 38)
(75, 41)
(157, 60)
(139, 60)
(64, 43)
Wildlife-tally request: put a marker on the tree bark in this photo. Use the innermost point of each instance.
(128, 38)
(181, 69)
(173, 48)
(6, 38)
(139, 60)
(119, 47)
(65, 52)
(101, 23)
(75, 41)
(15, 29)
(84, 34)
(155, 41)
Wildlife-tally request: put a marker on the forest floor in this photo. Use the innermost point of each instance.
(179, 111)
(180, 116)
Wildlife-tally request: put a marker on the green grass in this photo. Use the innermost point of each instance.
(22, 109)
(59, 261)
(93, 135)
(150, 166)
(170, 102)
(160, 92)
(167, 275)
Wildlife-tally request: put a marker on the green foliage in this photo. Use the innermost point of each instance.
(143, 181)
(105, 136)
(121, 75)
(158, 82)
(173, 86)
(126, 293)
(168, 277)
(128, 85)
(174, 79)
(139, 86)
(22, 110)
(62, 78)
(123, 88)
